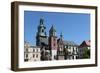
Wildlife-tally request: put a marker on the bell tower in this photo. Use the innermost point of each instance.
(53, 42)
(41, 33)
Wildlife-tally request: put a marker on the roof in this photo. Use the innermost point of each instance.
(34, 47)
(52, 29)
(88, 43)
(69, 43)
(85, 43)
(44, 41)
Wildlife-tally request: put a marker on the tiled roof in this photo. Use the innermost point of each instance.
(88, 43)
(85, 43)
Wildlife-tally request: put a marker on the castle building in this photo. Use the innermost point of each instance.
(71, 50)
(50, 47)
(31, 53)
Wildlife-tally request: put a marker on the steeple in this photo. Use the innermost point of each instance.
(61, 36)
(61, 39)
(52, 31)
(41, 21)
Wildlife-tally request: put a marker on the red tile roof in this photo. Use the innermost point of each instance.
(85, 43)
(88, 43)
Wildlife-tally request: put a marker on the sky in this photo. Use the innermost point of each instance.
(74, 26)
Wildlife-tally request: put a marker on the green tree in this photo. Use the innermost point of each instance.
(86, 53)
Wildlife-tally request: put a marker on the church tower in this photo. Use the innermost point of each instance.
(53, 42)
(41, 34)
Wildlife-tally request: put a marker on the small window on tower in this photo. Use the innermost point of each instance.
(42, 30)
(54, 44)
(54, 39)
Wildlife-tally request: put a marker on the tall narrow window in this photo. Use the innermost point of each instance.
(42, 30)
(37, 56)
(37, 50)
(33, 55)
(33, 50)
(26, 55)
(54, 44)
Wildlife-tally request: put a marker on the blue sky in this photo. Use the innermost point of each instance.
(74, 26)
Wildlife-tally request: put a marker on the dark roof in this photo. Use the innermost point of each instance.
(69, 43)
(85, 44)
(44, 41)
(52, 29)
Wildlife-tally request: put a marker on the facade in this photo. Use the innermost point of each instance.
(60, 51)
(31, 53)
(52, 47)
(71, 50)
(83, 48)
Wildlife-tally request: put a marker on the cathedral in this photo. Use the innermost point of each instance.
(52, 47)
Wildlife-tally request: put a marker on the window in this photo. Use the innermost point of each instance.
(37, 56)
(37, 50)
(42, 30)
(26, 55)
(33, 50)
(73, 57)
(33, 55)
(54, 44)
(26, 49)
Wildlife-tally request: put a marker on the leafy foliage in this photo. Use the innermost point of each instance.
(86, 53)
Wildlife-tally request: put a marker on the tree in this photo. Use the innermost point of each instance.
(86, 53)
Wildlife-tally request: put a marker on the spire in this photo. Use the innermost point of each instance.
(42, 21)
(61, 36)
(52, 31)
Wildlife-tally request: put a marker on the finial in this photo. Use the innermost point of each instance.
(61, 35)
(41, 20)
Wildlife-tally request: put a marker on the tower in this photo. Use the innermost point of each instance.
(60, 51)
(41, 34)
(53, 42)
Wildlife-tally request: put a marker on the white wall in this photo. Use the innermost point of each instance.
(5, 40)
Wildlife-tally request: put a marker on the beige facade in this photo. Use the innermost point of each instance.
(32, 53)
